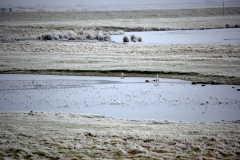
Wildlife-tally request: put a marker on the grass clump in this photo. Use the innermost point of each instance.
(125, 39)
(139, 39)
(81, 35)
(133, 38)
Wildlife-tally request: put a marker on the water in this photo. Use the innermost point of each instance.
(128, 98)
(224, 36)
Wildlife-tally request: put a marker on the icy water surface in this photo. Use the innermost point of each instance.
(225, 36)
(128, 98)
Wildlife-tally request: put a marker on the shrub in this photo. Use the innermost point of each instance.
(155, 29)
(89, 36)
(139, 39)
(133, 38)
(47, 37)
(70, 35)
(100, 36)
(76, 35)
(81, 37)
(71, 38)
(55, 37)
(236, 26)
(81, 32)
(60, 36)
(107, 37)
(125, 39)
(39, 37)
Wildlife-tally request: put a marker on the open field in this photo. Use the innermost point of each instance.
(72, 136)
(27, 25)
(22, 53)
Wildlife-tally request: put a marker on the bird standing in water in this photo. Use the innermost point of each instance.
(122, 75)
(156, 81)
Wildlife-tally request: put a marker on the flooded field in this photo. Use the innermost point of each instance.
(127, 98)
(98, 115)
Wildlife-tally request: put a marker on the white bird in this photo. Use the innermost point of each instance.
(122, 75)
(156, 81)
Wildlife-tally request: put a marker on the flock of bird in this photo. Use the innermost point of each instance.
(48, 95)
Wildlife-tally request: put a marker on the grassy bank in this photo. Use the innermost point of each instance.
(194, 62)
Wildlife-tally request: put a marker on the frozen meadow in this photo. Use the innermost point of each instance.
(36, 135)
(82, 117)
(192, 62)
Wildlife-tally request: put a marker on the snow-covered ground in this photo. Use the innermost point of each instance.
(127, 98)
